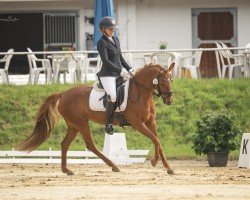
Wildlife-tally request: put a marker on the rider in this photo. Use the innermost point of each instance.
(114, 65)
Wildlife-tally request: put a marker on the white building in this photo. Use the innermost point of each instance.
(143, 24)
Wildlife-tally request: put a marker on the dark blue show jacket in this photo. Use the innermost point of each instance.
(111, 56)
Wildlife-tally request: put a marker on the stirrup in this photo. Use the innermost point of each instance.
(109, 129)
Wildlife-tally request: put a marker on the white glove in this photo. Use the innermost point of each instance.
(132, 72)
(124, 73)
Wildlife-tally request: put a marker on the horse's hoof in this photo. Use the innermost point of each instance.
(68, 172)
(171, 172)
(115, 169)
(153, 162)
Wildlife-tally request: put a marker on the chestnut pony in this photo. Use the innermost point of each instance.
(73, 106)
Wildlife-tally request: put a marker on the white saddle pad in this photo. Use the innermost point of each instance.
(96, 104)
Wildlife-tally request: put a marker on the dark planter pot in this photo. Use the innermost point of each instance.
(217, 159)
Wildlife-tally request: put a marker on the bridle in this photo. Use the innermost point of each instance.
(159, 93)
(164, 94)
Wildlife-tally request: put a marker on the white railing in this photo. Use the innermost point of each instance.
(124, 51)
(76, 157)
(84, 76)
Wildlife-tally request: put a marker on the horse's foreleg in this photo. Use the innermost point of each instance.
(141, 127)
(71, 134)
(165, 162)
(151, 125)
(85, 131)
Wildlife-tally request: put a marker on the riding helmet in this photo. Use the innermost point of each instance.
(107, 22)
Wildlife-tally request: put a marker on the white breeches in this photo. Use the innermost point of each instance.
(109, 86)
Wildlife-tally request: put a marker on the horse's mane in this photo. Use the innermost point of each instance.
(149, 67)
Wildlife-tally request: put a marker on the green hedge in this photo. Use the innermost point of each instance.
(176, 123)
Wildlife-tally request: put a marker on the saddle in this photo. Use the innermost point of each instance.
(98, 98)
(120, 85)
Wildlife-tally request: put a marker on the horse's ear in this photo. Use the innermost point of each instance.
(171, 67)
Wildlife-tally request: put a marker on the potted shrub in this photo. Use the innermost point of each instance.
(163, 45)
(216, 137)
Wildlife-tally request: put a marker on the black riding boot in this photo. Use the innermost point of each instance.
(109, 117)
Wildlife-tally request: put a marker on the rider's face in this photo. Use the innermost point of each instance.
(109, 31)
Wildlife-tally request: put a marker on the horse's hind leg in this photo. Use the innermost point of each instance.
(71, 134)
(85, 131)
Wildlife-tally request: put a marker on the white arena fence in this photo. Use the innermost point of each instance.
(115, 148)
(74, 157)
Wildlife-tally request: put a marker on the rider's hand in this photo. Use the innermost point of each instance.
(124, 73)
(132, 72)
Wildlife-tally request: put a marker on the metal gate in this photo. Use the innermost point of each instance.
(60, 31)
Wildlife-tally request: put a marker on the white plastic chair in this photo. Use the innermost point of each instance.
(248, 47)
(238, 58)
(221, 57)
(233, 62)
(238, 61)
(136, 61)
(60, 66)
(36, 70)
(218, 62)
(89, 68)
(64, 63)
(247, 61)
(165, 59)
(4, 71)
(77, 71)
(192, 63)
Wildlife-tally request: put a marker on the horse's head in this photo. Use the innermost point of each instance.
(163, 84)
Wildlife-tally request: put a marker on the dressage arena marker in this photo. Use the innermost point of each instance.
(244, 158)
(114, 147)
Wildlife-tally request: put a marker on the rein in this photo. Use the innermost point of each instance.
(137, 85)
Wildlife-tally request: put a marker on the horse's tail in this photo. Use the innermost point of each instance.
(46, 119)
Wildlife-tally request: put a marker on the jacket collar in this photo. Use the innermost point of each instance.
(106, 38)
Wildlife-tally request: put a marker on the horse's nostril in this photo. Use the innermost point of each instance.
(168, 102)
